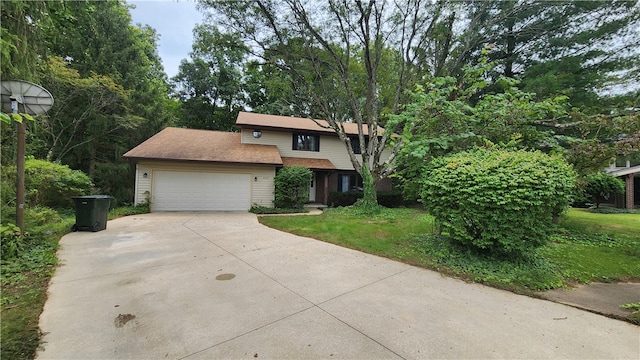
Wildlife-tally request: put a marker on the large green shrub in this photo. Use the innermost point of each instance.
(292, 187)
(53, 185)
(498, 200)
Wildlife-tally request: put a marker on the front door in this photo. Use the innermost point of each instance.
(312, 188)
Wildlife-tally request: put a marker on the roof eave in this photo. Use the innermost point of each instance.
(140, 158)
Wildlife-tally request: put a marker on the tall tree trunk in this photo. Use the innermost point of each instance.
(370, 198)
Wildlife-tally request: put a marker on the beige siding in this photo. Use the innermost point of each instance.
(143, 184)
(331, 147)
(261, 184)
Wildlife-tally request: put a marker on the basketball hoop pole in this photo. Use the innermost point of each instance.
(19, 167)
(35, 100)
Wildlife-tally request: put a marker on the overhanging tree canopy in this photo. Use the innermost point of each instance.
(336, 54)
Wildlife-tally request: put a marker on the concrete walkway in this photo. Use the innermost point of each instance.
(222, 286)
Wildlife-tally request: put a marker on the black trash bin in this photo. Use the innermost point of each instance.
(91, 212)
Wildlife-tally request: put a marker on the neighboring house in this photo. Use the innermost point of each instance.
(202, 170)
(630, 173)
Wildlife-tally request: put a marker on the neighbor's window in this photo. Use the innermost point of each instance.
(306, 142)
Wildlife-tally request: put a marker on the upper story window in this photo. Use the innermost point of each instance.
(306, 142)
(355, 144)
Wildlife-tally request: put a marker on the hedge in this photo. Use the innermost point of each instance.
(389, 199)
(498, 200)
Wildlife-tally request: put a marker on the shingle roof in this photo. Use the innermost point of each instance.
(203, 145)
(321, 164)
(262, 121)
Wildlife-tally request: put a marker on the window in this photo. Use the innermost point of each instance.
(355, 144)
(349, 182)
(305, 142)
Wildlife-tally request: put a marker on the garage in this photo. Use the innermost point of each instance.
(200, 191)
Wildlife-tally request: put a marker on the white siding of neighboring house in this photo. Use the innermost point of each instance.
(261, 178)
(331, 147)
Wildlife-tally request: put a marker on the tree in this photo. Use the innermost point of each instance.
(105, 75)
(553, 47)
(210, 84)
(600, 139)
(601, 186)
(448, 115)
(22, 30)
(322, 46)
(80, 103)
(97, 40)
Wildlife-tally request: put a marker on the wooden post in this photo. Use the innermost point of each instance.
(326, 187)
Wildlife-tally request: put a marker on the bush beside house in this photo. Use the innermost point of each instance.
(292, 187)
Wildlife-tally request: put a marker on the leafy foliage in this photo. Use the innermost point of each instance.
(337, 63)
(532, 271)
(106, 78)
(12, 240)
(497, 200)
(86, 109)
(25, 277)
(209, 85)
(598, 140)
(53, 185)
(601, 186)
(143, 208)
(447, 115)
(608, 210)
(292, 187)
(390, 199)
(22, 30)
(257, 209)
(368, 204)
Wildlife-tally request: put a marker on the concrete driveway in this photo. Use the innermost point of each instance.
(220, 285)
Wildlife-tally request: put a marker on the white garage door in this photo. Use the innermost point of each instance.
(200, 191)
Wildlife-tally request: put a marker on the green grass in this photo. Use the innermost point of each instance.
(387, 234)
(587, 247)
(615, 225)
(597, 247)
(25, 278)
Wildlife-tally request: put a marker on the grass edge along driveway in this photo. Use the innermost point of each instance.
(586, 247)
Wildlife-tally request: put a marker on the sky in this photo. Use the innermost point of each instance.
(174, 21)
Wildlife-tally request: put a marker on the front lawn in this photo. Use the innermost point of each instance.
(586, 247)
(597, 247)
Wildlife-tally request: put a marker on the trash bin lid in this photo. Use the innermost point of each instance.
(93, 197)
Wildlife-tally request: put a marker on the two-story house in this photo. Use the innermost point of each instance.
(202, 170)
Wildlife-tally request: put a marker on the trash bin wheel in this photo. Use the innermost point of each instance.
(95, 227)
(74, 228)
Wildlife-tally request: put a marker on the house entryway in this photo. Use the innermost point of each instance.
(312, 188)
